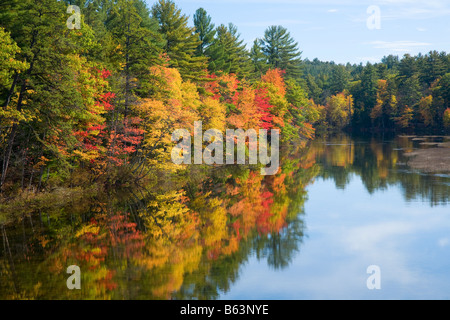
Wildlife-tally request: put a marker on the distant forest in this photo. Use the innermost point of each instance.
(408, 94)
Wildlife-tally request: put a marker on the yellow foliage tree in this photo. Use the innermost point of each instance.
(173, 106)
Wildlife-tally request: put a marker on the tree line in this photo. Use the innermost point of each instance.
(99, 102)
(408, 94)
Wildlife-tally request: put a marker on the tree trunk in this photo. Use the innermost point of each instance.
(8, 151)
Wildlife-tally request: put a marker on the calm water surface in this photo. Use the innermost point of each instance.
(339, 206)
(364, 208)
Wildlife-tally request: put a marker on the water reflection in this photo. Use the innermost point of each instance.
(361, 212)
(188, 237)
(178, 238)
(380, 164)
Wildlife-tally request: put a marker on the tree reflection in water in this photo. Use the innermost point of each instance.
(178, 238)
(188, 237)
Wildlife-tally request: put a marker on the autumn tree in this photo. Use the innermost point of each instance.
(8, 51)
(173, 106)
(441, 99)
(386, 106)
(246, 113)
(447, 119)
(273, 102)
(339, 110)
(44, 93)
(426, 111)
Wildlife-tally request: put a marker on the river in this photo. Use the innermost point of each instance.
(339, 208)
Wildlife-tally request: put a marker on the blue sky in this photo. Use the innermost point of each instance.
(345, 232)
(337, 30)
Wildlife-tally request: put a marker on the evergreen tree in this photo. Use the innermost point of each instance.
(228, 52)
(314, 90)
(339, 79)
(409, 92)
(44, 102)
(258, 60)
(205, 30)
(365, 97)
(181, 40)
(282, 51)
(407, 68)
(433, 67)
(301, 109)
(217, 58)
(382, 71)
(95, 14)
(135, 34)
(391, 62)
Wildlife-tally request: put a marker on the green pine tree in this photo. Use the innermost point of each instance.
(138, 46)
(205, 30)
(315, 92)
(365, 95)
(258, 60)
(282, 51)
(433, 67)
(228, 52)
(181, 40)
(339, 79)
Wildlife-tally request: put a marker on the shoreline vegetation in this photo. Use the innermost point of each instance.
(91, 110)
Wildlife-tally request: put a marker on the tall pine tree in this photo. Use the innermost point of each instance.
(181, 40)
(205, 30)
(282, 51)
(228, 52)
(138, 44)
(258, 60)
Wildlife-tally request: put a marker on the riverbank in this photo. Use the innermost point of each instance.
(433, 155)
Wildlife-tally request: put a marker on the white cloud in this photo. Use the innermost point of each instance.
(333, 10)
(398, 46)
(444, 242)
(408, 10)
(414, 9)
